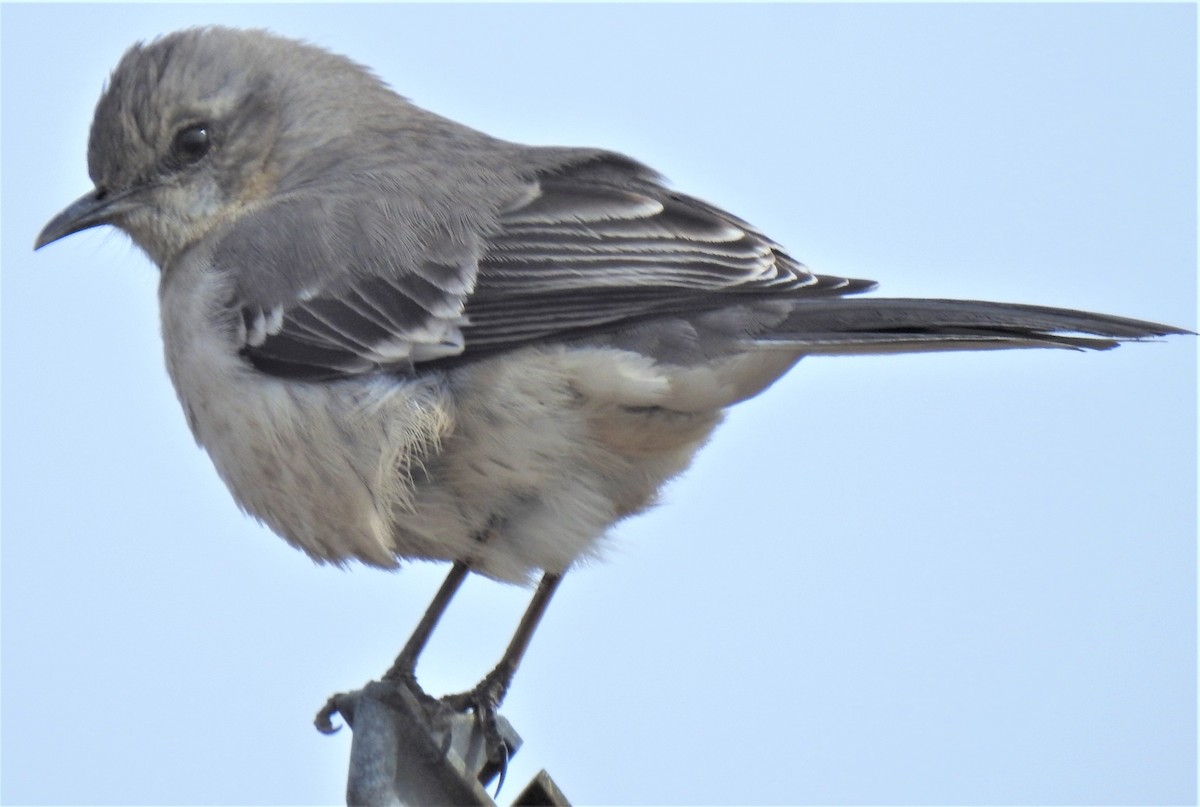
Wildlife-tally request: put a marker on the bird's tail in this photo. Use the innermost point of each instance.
(899, 325)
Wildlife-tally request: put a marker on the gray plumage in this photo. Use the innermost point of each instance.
(398, 337)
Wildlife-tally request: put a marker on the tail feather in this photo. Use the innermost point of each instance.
(891, 325)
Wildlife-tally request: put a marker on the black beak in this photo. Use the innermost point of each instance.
(90, 210)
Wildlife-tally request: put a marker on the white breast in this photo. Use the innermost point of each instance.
(324, 465)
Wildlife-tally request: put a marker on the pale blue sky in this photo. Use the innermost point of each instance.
(908, 580)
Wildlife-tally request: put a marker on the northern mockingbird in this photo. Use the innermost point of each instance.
(398, 337)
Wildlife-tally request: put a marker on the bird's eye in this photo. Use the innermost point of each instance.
(191, 143)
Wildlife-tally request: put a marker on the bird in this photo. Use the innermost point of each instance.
(400, 338)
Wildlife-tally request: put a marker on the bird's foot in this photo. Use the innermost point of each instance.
(343, 703)
(484, 742)
(484, 700)
(408, 680)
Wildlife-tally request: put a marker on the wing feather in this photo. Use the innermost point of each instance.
(579, 249)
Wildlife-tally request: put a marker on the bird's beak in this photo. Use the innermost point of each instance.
(90, 210)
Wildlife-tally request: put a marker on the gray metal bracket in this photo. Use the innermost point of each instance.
(400, 755)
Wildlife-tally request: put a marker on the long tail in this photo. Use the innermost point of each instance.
(900, 325)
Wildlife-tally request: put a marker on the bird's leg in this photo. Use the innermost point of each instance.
(486, 696)
(403, 669)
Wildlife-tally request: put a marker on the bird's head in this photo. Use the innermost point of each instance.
(198, 126)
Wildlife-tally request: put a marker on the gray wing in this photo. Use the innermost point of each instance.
(585, 248)
(589, 254)
(345, 290)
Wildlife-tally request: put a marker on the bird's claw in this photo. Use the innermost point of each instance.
(484, 700)
(324, 719)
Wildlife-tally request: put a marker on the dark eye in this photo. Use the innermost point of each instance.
(191, 143)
